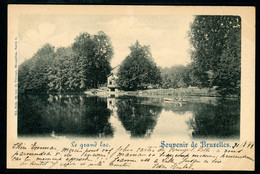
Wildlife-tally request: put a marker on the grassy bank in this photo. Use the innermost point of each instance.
(180, 92)
(205, 92)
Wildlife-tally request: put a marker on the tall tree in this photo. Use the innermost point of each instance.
(33, 74)
(61, 77)
(138, 70)
(216, 52)
(92, 54)
(24, 75)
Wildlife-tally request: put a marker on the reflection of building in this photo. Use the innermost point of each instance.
(111, 104)
(111, 81)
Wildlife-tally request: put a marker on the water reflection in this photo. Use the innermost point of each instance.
(136, 117)
(218, 120)
(133, 117)
(63, 115)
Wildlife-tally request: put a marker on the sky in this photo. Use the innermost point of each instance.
(166, 35)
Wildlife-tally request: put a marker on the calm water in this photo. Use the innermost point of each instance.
(133, 117)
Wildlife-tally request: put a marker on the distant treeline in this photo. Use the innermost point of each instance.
(179, 76)
(215, 55)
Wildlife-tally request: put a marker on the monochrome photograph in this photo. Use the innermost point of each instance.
(129, 76)
(131, 87)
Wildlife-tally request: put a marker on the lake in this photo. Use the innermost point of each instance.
(47, 115)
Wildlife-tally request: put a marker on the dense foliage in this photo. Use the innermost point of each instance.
(93, 55)
(175, 77)
(216, 52)
(138, 70)
(33, 73)
(81, 66)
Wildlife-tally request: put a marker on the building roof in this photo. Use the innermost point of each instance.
(115, 67)
(114, 70)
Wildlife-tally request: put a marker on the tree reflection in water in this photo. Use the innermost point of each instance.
(79, 115)
(136, 117)
(74, 115)
(218, 120)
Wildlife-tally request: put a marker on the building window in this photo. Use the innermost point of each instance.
(110, 82)
(112, 89)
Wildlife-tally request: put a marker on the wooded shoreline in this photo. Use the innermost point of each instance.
(214, 70)
(179, 92)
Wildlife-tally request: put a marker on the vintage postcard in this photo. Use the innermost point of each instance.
(131, 87)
